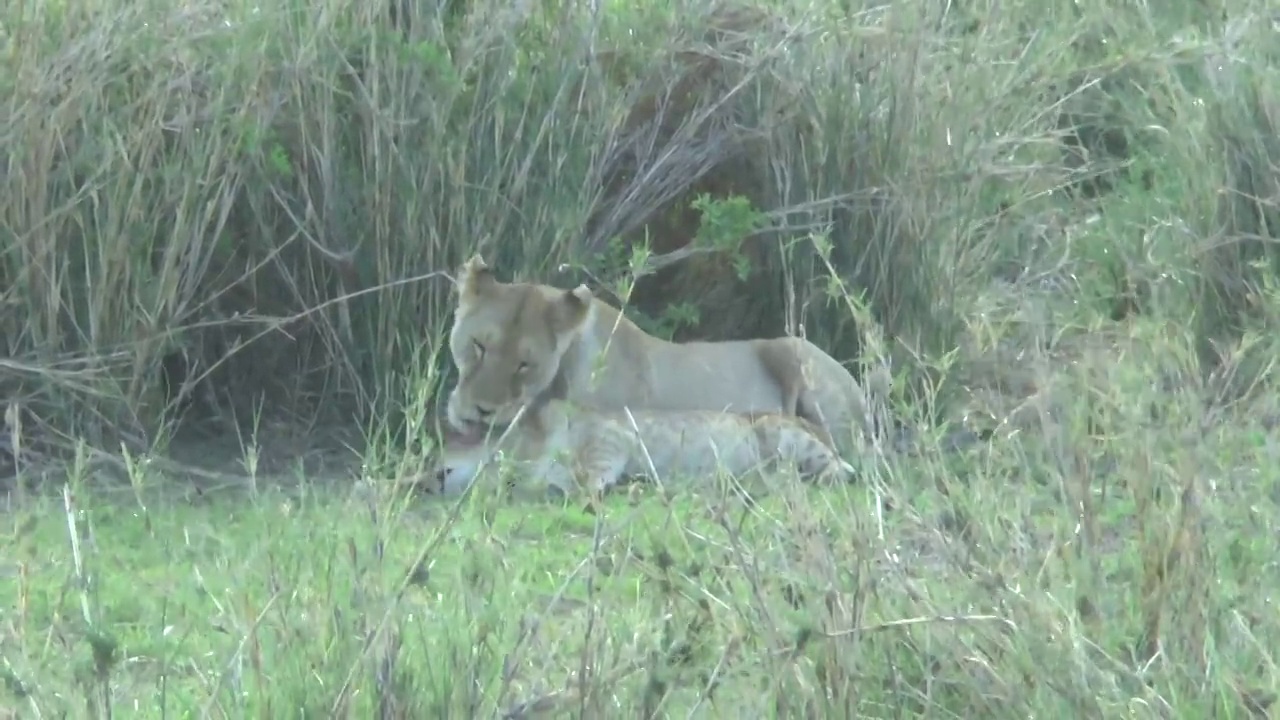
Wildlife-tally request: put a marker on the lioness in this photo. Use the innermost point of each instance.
(515, 343)
(575, 449)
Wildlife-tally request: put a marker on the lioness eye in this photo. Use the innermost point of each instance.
(524, 367)
(478, 348)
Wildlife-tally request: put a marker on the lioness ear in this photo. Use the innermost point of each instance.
(474, 278)
(572, 309)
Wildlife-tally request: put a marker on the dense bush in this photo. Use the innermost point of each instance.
(201, 194)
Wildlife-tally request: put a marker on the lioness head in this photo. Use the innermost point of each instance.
(507, 340)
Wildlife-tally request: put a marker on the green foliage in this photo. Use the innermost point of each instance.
(725, 223)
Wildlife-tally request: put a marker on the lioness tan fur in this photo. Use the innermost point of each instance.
(579, 450)
(514, 343)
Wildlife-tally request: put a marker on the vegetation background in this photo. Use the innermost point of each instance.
(225, 234)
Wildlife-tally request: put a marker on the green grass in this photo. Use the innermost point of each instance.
(1132, 568)
(235, 595)
(225, 233)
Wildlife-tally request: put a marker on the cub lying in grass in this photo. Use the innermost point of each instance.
(575, 449)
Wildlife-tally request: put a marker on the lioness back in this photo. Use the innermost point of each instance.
(516, 343)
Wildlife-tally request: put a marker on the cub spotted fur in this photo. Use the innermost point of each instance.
(515, 343)
(574, 449)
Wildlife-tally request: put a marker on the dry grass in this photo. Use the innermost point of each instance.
(225, 231)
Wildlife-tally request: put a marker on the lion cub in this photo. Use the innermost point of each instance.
(575, 449)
